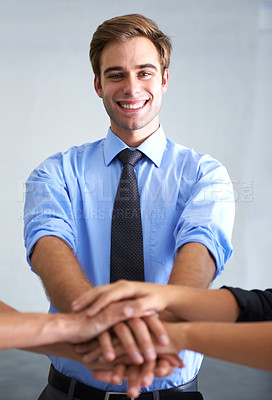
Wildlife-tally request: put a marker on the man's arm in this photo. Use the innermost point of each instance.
(203, 232)
(64, 281)
(193, 266)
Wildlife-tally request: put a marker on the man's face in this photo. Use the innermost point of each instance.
(132, 87)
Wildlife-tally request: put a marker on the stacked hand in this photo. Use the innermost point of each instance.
(137, 349)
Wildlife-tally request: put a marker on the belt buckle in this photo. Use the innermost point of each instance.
(107, 395)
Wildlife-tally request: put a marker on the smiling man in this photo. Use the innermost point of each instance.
(132, 89)
(168, 220)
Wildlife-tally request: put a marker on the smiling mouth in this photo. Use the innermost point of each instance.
(132, 106)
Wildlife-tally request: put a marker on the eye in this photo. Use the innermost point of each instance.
(145, 73)
(115, 77)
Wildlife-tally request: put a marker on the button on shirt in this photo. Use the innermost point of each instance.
(185, 197)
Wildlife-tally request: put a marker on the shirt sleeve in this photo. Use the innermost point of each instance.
(208, 215)
(256, 305)
(47, 210)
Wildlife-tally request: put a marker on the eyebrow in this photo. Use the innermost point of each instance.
(141, 66)
(111, 69)
(152, 66)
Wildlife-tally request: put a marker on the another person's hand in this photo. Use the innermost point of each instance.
(144, 298)
(79, 328)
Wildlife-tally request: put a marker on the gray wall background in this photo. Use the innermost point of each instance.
(218, 102)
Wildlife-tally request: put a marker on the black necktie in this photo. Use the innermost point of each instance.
(127, 261)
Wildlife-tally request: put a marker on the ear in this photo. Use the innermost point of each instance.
(165, 79)
(97, 86)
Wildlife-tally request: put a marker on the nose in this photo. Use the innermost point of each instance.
(131, 86)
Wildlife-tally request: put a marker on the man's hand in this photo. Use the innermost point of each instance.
(136, 375)
(123, 366)
(136, 336)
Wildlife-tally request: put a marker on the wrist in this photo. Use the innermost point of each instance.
(179, 334)
(178, 299)
(61, 327)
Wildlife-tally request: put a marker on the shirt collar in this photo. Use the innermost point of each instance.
(153, 147)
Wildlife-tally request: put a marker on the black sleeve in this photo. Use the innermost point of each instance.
(256, 305)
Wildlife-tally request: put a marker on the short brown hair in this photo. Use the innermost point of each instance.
(125, 27)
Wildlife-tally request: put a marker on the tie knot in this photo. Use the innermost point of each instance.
(131, 157)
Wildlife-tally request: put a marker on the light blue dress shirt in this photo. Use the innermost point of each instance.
(185, 197)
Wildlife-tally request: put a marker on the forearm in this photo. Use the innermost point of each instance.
(5, 308)
(27, 330)
(187, 303)
(60, 272)
(193, 304)
(64, 350)
(248, 344)
(193, 266)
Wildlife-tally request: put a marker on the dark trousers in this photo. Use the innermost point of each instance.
(61, 387)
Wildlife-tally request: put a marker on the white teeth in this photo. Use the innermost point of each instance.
(133, 106)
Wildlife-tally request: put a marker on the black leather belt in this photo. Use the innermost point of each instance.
(84, 392)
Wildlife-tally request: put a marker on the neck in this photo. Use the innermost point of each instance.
(133, 138)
